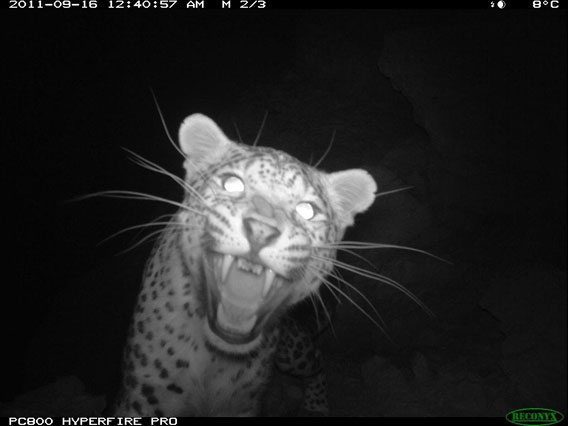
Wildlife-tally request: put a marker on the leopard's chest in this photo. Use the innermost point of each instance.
(172, 368)
(196, 381)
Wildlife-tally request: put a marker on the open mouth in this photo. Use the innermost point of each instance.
(239, 292)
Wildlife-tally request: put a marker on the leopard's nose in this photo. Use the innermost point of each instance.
(259, 233)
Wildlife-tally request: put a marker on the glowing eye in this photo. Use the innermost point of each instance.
(306, 210)
(233, 184)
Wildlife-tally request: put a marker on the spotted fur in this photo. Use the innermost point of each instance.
(249, 241)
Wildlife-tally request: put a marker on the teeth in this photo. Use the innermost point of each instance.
(249, 266)
(269, 279)
(227, 262)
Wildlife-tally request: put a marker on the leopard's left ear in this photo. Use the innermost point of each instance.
(351, 192)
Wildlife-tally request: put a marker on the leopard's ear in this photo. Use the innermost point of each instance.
(350, 192)
(201, 140)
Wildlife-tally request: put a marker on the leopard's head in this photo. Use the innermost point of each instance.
(266, 225)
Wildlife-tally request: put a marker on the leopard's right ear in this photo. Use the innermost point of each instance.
(351, 192)
(201, 140)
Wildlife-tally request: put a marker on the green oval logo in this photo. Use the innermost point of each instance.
(534, 416)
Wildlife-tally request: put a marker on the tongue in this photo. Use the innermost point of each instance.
(240, 298)
(243, 287)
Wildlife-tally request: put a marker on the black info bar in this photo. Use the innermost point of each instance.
(93, 421)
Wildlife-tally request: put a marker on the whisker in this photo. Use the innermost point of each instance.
(365, 298)
(360, 245)
(134, 195)
(149, 165)
(326, 151)
(356, 305)
(164, 125)
(238, 133)
(337, 298)
(314, 306)
(381, 278)
(337, 275)
(141, 226)
(176, 147)
(320, 276)
(327, 314)
(319, 324)
(147, 237)
(142, 241)
(364, 259)
(261, 128)
(393, 191)
(172, 220)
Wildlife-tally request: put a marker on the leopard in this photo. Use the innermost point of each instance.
(255, 236)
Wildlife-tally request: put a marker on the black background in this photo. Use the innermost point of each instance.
(77, 89)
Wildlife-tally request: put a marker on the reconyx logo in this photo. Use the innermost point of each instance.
(534, 417)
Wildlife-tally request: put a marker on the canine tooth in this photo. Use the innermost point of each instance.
(227, 262)
(268, 280)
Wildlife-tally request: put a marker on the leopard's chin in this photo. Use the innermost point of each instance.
(229, 343)
(243, 298)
